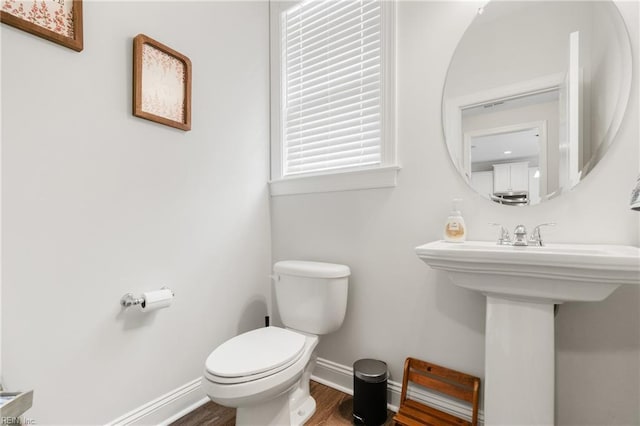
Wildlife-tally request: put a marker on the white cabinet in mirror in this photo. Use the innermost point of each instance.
(530, 109)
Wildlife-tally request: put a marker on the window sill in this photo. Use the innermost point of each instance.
(380, 177)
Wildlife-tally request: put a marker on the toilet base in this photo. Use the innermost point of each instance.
(291, 408)
(274, 412)
(279, 411)
(302, 403)
(304, 411)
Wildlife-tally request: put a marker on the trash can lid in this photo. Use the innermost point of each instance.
(370, 370)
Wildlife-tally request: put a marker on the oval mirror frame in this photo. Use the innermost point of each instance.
(522, 125)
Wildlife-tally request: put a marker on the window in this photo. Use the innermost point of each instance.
(332, 80)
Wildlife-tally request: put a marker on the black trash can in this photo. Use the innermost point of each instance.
(369, 392)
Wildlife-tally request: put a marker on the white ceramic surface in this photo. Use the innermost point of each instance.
(311, 296)
(269, 398)
(235, 361)
(265, 373)
(522, 284)
(555, 273)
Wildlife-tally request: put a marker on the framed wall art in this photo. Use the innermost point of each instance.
(59, 21)
(161, 83)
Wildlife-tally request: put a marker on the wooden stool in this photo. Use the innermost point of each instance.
(443, 380)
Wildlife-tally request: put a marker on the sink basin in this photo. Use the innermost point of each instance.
(555, 273)
(522, 284)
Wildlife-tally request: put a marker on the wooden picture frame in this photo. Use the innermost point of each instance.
(161, 83)
(59, 21)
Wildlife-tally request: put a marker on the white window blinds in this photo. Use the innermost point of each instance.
(331, 85)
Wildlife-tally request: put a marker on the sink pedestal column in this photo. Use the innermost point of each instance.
(519, 363)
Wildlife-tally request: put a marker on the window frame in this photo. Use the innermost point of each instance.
(381, 175)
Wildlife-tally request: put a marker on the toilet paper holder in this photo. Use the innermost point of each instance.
(130, 300)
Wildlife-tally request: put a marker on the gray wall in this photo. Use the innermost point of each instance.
(398, 307)
(98, 203)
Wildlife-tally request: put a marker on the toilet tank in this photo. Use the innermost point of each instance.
(311, 296)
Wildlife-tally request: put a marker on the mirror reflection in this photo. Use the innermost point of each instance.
(534, 95)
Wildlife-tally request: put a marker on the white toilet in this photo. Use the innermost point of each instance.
(265, 372)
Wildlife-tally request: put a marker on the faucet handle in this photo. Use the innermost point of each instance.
(536, 236)
(503, 236)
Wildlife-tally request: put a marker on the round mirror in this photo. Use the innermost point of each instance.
(534, 96)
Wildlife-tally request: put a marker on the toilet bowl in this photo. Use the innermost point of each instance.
(265, 373)
(258, 386)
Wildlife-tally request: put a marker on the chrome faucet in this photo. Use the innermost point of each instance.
(520, 238)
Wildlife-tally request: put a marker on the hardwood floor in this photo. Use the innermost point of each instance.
(333, 408)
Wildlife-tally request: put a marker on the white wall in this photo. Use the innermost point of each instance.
(399, 307)
(98, 203)
(537, 46)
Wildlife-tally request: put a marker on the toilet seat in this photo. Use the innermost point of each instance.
(253, 355)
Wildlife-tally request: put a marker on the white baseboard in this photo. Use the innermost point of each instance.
(186, 398)
(167, 408)
(340, 377)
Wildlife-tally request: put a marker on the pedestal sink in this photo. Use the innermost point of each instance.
(522, 284)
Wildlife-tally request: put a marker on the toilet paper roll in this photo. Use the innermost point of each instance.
(156, 299)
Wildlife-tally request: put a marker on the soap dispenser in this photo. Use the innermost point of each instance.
(455, 230)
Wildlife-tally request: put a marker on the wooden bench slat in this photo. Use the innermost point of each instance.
(409, 416)
(418, 410)
(441, 379)
(444, 387)
(437, 370)
(404, 420)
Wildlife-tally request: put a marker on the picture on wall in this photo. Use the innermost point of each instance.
(161, 83)
(59, 21)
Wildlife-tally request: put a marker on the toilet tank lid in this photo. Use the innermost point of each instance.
(309, 269)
